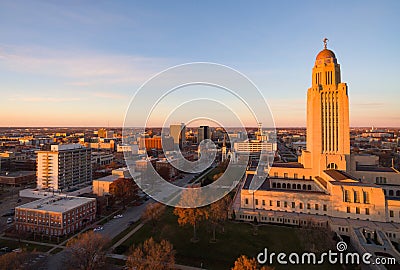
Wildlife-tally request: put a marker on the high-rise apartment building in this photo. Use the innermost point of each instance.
(64, 166)
(203, 133)
(178, 132)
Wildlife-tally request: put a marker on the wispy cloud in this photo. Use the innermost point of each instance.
(80, 68)
(44, 99)
(110, 95)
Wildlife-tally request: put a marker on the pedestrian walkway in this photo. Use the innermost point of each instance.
(123, 239)
(177, 266)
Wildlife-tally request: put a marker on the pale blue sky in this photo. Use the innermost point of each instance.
(77, 63)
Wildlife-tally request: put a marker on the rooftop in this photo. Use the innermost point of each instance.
(370, 168)
(17, 174)
(58, 204)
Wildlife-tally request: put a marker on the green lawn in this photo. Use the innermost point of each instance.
(238, 239)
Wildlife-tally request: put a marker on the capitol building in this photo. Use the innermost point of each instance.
(328, 186)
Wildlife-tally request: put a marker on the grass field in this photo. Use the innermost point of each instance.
(238, 239)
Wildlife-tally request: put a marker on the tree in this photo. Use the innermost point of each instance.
(12, 260)
(124, 189)
(218, 213)
(152, 255)
(245, 263)
(87, 251)
(153, 213)
(192, 216)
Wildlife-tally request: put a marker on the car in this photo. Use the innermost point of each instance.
(5, 249)
(9, 220)
(98, 229)
(17, 250)
(118, 216)
(19, 200)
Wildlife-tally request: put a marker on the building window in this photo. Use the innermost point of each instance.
(285, 175)
(367, 211)
(309, 187)
(390, 192)
(308, 206)
(346, 196)
(246, 201)
(356, 196)
(278, 203)
(357, 210)
(263, 202)
(380, 180)
(391, 213)
(325, 207)
(293, 204)
(276, 174)
(366, 197)
(301, 205)
(316, 206)
(295, 176)
(270, 203)
(348, 209)
(285, 204)
(256, 201)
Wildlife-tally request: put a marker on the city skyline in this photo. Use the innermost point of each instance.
(79, 64)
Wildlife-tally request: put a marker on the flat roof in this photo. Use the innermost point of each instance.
(369, 168)
(340, 175)
(16, 174)
(108, 178)
(58, 204)
(287, 165)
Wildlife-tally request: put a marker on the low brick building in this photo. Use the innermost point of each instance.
(56, 215)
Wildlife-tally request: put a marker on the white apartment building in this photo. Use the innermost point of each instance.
(63, 167)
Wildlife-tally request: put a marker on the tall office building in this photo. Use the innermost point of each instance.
(64, 166)
(178, 132)
(203, 133)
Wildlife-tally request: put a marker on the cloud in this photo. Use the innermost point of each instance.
(110, 95)
(80, 68)
(44, 99)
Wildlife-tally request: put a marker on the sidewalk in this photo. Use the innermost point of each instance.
(177, 266)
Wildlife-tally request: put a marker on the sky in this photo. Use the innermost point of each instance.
(79, 63)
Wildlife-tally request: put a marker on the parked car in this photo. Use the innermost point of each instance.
(9, 220)
(17, 250)
(98, 229)
(19, 200)
(118, 216)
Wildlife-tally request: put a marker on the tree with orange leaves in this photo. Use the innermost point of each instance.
(152, 255)
(192, 216)
(245, 263)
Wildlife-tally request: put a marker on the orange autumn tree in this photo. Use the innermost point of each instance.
(153, 213)
(245, 263)
(152, 255)
(192, 216)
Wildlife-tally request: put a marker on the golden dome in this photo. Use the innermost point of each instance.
(325, 53)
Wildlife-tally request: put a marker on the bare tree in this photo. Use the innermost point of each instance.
(153, 213)
(191, 216)
(152, 255)
(87, 251)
